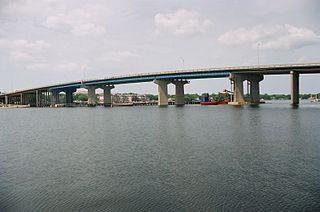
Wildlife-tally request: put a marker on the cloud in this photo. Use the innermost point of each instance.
(181, 22)
(88, 28)
(302, 59)
(68, 67)
(4, 43)
(21, 56)
(69, 16)
(37, 66)
(277, 37)
(36, 45)
(80, 21)
(118, 56)
(24, 50)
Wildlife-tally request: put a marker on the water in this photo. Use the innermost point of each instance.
(195, 158)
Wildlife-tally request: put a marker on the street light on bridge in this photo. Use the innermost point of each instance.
(258, 48)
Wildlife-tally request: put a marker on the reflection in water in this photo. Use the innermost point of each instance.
(191, 158)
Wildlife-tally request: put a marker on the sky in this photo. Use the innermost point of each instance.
(52, 41)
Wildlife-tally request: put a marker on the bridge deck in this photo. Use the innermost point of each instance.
(306, 68)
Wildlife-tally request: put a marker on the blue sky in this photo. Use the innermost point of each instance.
(49, 41)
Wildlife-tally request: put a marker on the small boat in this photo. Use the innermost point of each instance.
(126, 104)
(219, 102)
(315, 98)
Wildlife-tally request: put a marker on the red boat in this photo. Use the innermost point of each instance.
(220, 102)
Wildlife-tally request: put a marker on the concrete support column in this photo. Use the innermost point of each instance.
(255, 88)
(25, 99)
(294, 88)
(238, 96)
(255, 92)
(107, 95)
(69, 97)
(92, 96)
(21, 99)
(6, 100)
(37, 98)
(180, 92)
(54, 98)
(162, 92)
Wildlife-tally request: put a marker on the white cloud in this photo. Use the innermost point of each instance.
(24, 44)
(118, 56)
(21, 56)
(68, 67)
(69, 16)
(80, 21)
(4, 43)
(88, 28)
(36, 45)
(24, 50)
(38, 66)
(282, 37)
(181, 22)
(31, 11)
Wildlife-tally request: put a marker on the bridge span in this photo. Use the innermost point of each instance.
(49, 95)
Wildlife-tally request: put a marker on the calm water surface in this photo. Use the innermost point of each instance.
(195, 158)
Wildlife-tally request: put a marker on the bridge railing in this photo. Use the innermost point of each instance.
(176, 72)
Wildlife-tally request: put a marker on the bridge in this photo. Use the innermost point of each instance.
(49, 95)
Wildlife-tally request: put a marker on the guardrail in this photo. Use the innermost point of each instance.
(184, 74)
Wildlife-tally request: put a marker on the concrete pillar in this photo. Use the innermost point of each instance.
(255, 92)
(54, 98)
(294, 88)
(91, 96)
(6, 100)
(46, 98)
(180, 92)
(25, 99)
(21, 99)
(37, 98)
(238, 96)
(162, 92)
(107, 95)
(255, 87)
(69, 97)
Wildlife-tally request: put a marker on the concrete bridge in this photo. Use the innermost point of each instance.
(49, 95)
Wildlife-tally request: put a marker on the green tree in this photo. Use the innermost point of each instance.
(81, 97)
(152, 97)
(191, 97)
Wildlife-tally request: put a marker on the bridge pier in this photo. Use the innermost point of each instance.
(92, 102)
(294, 88)
(238, 95)
(107, 95)
(25, 99)
(255, 87)
(180, 92)
(69, 97)
(37, 98)
(162, 92)
(54, 98)
(6, 100)
(21, 99)
(46, 98)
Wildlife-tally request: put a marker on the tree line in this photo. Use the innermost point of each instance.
(214, 96)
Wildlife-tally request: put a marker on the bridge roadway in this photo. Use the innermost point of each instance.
(49, 95)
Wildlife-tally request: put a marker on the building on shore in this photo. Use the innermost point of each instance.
(120, 98)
